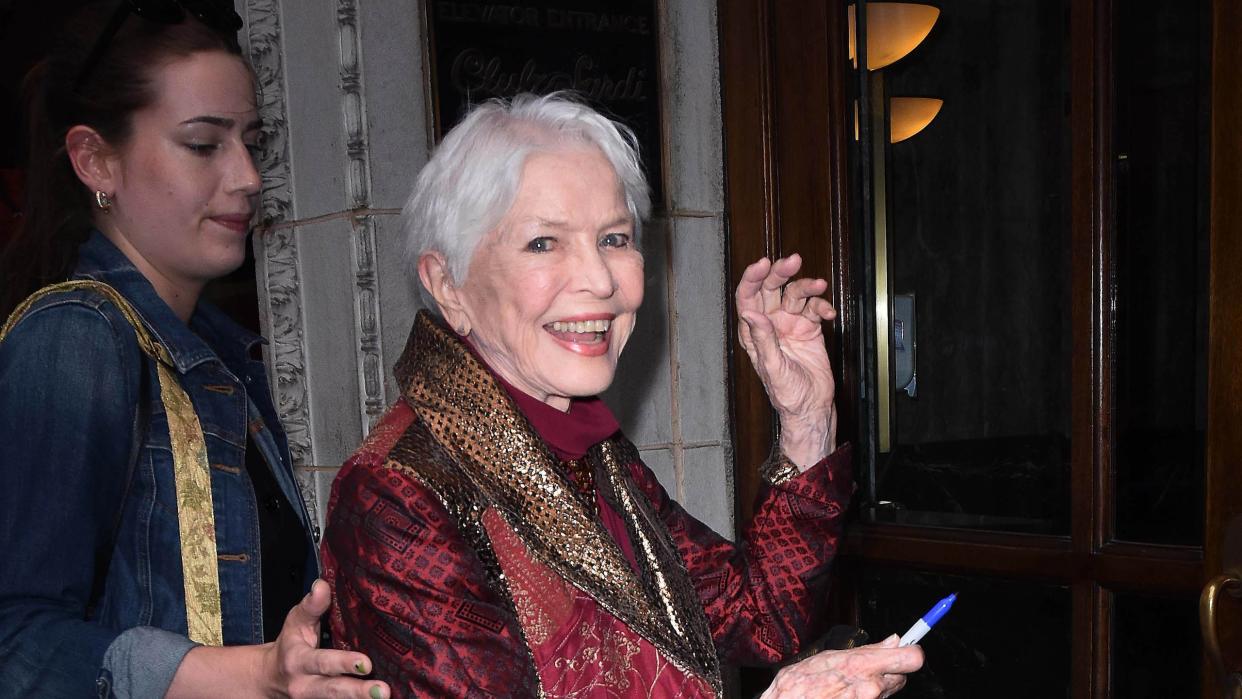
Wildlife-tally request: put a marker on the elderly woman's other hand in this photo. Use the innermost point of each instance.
(866, 672)
(781, 331)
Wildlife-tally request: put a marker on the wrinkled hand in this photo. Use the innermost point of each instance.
(781, 331)
(866, 672)
(295, 666)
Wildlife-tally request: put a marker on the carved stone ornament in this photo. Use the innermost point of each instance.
(358, 178)
(276, 250)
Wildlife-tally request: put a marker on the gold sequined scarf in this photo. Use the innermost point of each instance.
(195, 513)
(475, 450)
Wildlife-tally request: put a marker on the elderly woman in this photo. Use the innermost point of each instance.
(497, 534)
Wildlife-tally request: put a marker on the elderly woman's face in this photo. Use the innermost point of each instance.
(552, 293)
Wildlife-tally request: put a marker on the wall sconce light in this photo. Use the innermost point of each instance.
(893, 30)
(910, 115)
(907, 116)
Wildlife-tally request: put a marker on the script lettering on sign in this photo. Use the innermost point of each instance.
(605, 50)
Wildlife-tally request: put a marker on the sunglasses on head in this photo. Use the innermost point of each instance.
(217, 15)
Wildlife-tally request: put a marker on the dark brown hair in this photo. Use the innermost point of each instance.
(57, 211)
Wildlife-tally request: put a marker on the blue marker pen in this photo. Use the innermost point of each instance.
(922, 626)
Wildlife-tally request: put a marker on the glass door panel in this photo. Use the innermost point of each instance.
(1163, 83)
(1001, 638)
(972, 281)
(1157, 647)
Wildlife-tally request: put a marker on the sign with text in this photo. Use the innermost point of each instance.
(605, 50)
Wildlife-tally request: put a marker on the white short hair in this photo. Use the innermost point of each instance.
(472, 178)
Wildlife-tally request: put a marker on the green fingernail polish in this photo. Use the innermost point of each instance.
(360, 668)
(376, 693)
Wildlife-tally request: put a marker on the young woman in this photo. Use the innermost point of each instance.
(154, 541)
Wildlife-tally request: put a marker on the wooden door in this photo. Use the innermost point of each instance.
(1081, 580)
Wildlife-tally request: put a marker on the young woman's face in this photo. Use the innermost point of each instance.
(186, 186)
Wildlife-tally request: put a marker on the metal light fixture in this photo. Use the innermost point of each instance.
(893, 30)
(907, 116)
(910, 115)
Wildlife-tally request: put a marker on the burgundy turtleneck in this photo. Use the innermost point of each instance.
(569, 434)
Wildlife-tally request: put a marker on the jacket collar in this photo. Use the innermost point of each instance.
(210, 335)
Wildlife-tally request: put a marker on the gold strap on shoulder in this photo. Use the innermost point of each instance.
(192, 473)
(145, 341)
(195, 513)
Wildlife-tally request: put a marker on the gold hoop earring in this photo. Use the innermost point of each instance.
(103, 201)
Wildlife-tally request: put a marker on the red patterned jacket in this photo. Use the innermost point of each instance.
(423, 520)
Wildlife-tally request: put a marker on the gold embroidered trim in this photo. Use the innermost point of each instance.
(778, 468)
(497, 460)
(195, 513)
(610, 655)
(664, 573)
(192, 473)
(544, 602)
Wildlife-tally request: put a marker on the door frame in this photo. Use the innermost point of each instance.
(1224, 418)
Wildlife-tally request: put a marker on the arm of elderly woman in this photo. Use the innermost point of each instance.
(781, 331)
(867, 672)
(762, 597)
(782, 334)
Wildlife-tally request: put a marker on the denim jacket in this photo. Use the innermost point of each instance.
(91, 591)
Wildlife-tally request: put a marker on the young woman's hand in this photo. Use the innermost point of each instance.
(295, 666)
(291, 666)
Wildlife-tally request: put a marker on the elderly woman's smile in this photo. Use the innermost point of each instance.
(587, 336)
(551, 294)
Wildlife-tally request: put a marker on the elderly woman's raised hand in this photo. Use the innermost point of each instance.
(866, 672)
(781, 331)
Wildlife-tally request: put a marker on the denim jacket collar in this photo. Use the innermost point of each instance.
(189, 345)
